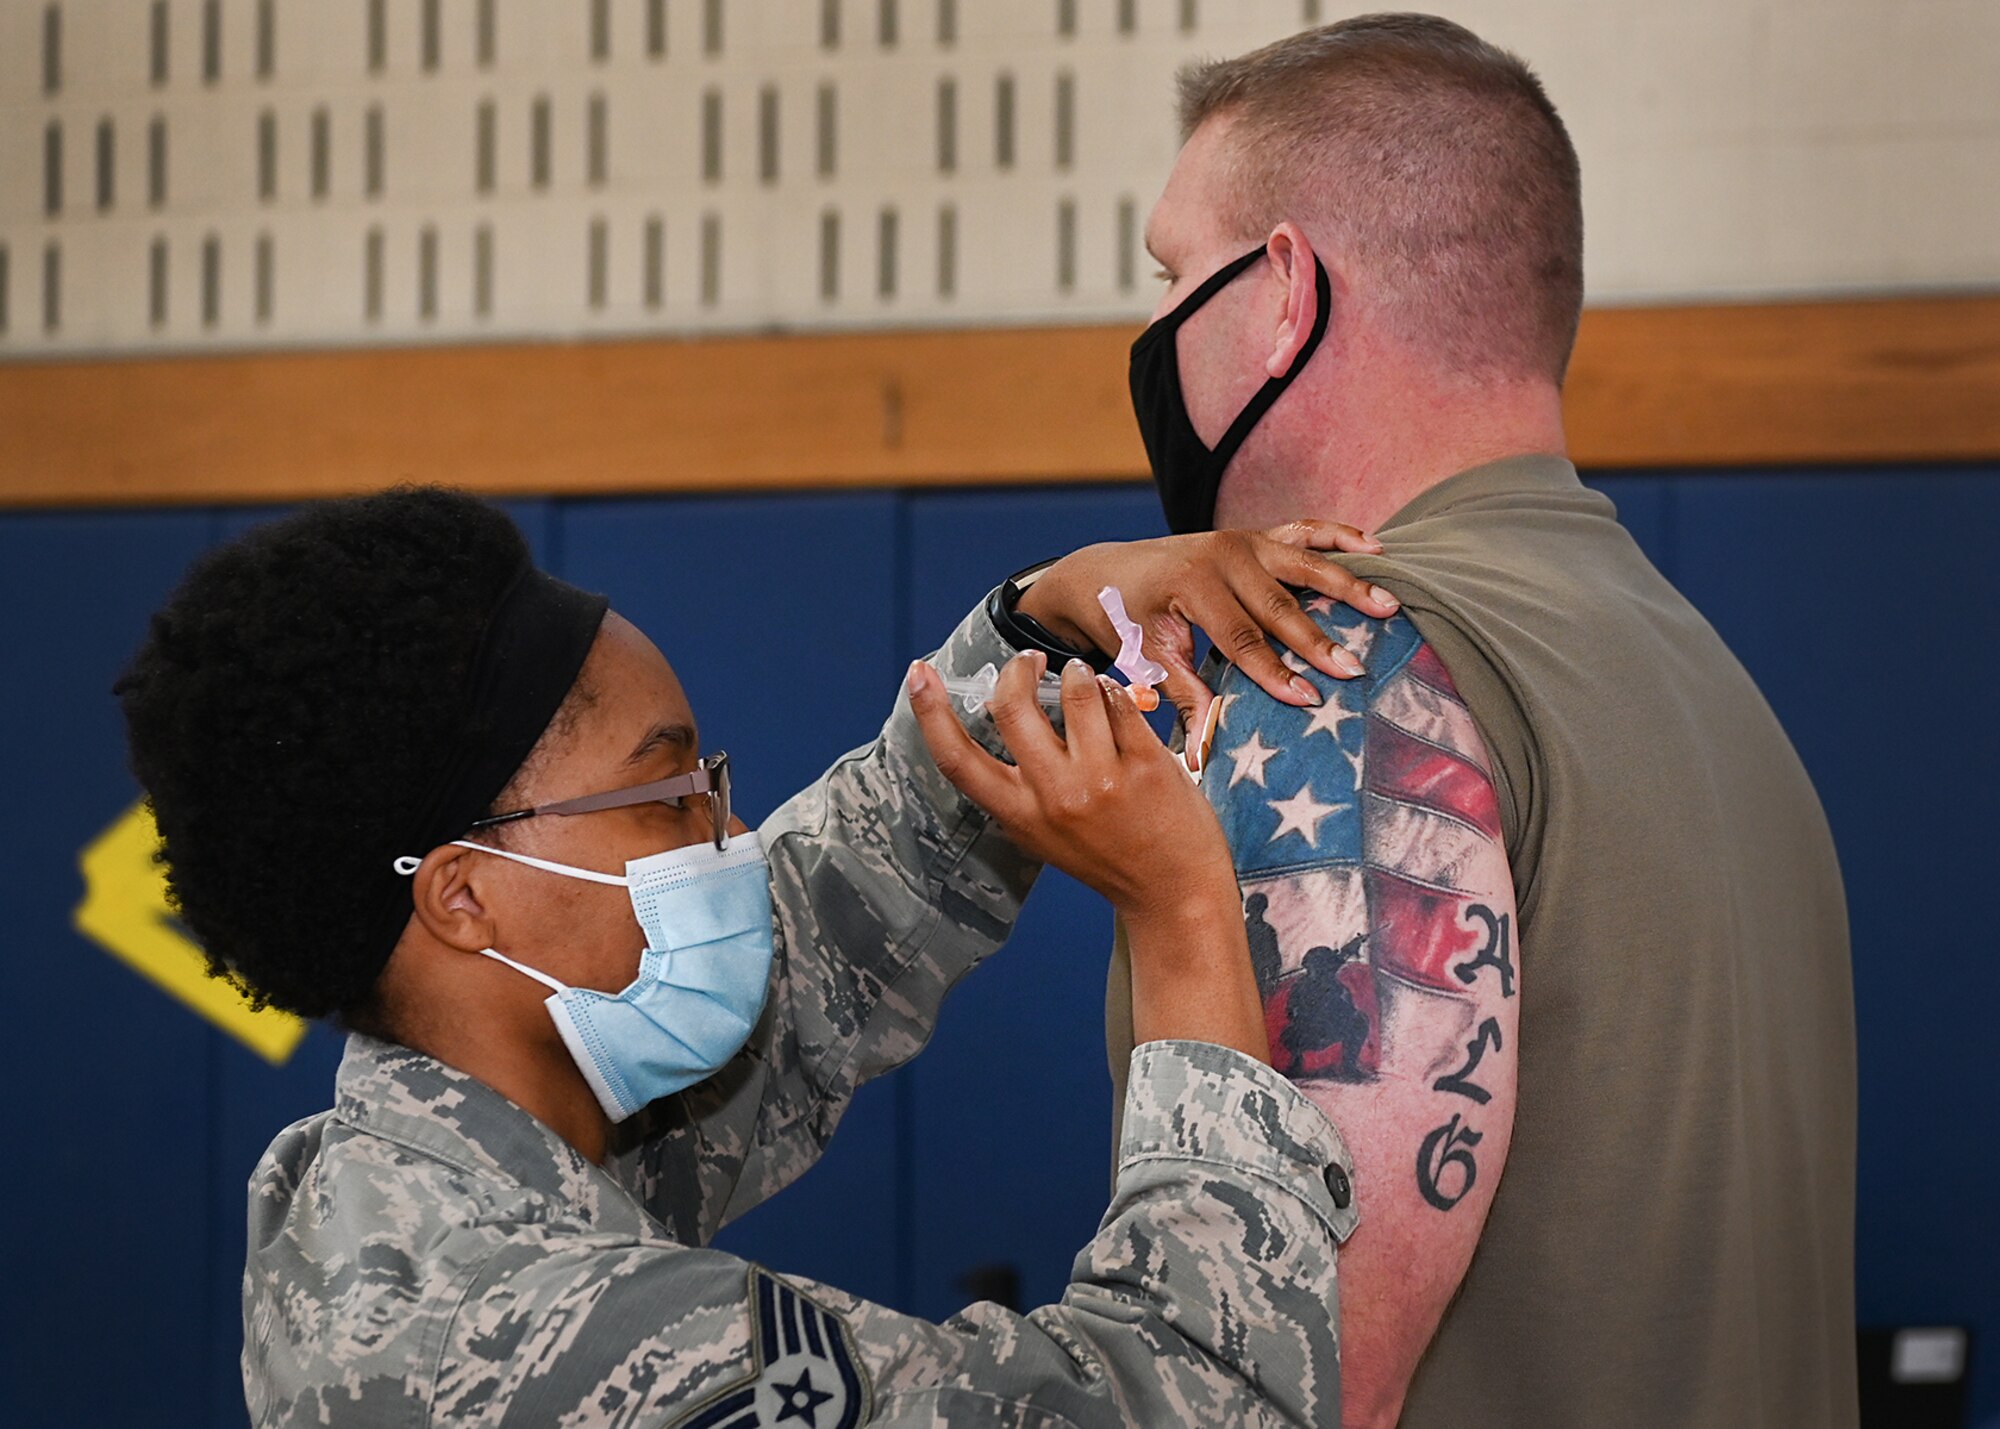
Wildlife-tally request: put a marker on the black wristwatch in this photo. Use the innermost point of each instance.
(1024, 632)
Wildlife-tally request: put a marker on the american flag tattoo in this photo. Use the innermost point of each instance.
(1366, 836)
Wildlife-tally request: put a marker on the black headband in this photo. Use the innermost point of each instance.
(534, 645)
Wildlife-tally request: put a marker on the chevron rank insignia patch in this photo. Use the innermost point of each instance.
(807, 1374)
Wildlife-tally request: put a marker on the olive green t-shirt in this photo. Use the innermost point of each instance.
(1671, 1243)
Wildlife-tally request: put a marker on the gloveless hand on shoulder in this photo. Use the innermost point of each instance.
(1231, 584)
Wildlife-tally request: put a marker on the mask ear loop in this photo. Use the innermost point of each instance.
(1253, 412)
(406, 865)
(1211, 285)
(541, 977)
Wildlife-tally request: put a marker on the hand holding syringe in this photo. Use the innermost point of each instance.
(975, 690)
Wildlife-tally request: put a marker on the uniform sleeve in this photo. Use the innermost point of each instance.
(1206, 1297)
(889, 885)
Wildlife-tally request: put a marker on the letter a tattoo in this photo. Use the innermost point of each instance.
(1498, 952)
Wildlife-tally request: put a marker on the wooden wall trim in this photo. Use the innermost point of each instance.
(1895, 380)
(1834, 383)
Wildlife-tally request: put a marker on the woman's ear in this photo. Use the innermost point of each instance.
(445, 889)
(1291, 258)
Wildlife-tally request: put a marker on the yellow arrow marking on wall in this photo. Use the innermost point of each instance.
(125, 908)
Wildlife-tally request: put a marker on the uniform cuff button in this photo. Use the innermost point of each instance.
(1339, 1187)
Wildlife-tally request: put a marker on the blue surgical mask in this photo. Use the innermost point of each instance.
(703, 978)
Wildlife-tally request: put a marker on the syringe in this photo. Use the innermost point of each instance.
(1132, 662)
(974, 691)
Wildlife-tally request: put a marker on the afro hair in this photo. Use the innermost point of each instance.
(292, 698)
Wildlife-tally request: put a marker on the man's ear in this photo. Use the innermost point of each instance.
(1290, 255)
(448, 905)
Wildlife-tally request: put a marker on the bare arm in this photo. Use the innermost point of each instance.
(1381, 918)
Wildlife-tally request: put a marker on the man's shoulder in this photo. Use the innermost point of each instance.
(1399, 660)
(1294, 785)
(1286, 780)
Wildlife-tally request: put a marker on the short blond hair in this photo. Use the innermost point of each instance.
(1434, 158)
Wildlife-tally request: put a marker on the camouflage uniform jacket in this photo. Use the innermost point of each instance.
(427, 1253)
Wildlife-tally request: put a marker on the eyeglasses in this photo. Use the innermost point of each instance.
(709, 779)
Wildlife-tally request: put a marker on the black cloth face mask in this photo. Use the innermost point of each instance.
(1188, 473)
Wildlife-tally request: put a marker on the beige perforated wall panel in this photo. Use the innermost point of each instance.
(191, 174)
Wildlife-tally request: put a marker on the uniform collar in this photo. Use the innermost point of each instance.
(1539, 472)
(413, 1099)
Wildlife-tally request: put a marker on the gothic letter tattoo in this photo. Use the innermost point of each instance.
(1461, 1081)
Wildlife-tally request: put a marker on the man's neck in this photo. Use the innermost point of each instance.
(1385, 442)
